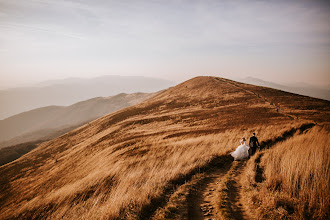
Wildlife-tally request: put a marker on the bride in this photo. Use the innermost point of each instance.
(242, 151)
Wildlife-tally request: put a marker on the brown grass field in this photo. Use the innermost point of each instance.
(295, 178)
(155, 160)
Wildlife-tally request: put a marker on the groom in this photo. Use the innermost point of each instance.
(254, 143)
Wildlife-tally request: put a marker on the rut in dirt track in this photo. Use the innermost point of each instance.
(235, 206)
(202, 200)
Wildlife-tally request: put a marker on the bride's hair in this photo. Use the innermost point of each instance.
(243, 138)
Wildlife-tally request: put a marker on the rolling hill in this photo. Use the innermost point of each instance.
(164, 158)
(69, 91)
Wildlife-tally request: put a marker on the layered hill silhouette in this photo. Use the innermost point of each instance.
(69, 91)
(34, 124)
(21, 133)
(129, 164)
(298, 88)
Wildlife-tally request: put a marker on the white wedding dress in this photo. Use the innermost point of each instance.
(241, 152)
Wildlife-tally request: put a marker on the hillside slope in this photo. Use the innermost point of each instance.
(43, 122)
(124, 164)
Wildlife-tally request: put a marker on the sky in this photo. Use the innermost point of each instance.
(282, 41)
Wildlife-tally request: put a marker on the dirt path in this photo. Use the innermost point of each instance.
(277, 108)
(218, 195)
(234, 189)
(203, 201)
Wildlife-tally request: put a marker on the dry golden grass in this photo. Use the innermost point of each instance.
(108, 183)
(296, 178)
(120, 165)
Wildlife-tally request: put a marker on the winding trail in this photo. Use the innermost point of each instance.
(222, 177)
(277, 108)
(204, 202)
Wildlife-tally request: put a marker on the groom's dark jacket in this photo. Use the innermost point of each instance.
(254, 141)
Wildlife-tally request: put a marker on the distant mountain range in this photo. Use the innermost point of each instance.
(298, 88)
(51, 121)
(69, 91)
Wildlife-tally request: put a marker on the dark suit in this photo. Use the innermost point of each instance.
(254, 143)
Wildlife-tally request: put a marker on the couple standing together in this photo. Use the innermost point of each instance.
(244, 151)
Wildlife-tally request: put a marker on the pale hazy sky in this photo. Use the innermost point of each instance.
(279, 41)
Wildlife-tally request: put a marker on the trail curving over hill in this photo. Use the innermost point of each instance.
(233, 207)
(218, 193)
(259, 96)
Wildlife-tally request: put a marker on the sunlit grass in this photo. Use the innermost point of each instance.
(296, 178)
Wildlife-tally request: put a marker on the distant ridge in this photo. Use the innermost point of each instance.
(298, 88)
(69, 91)
(50, 121)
